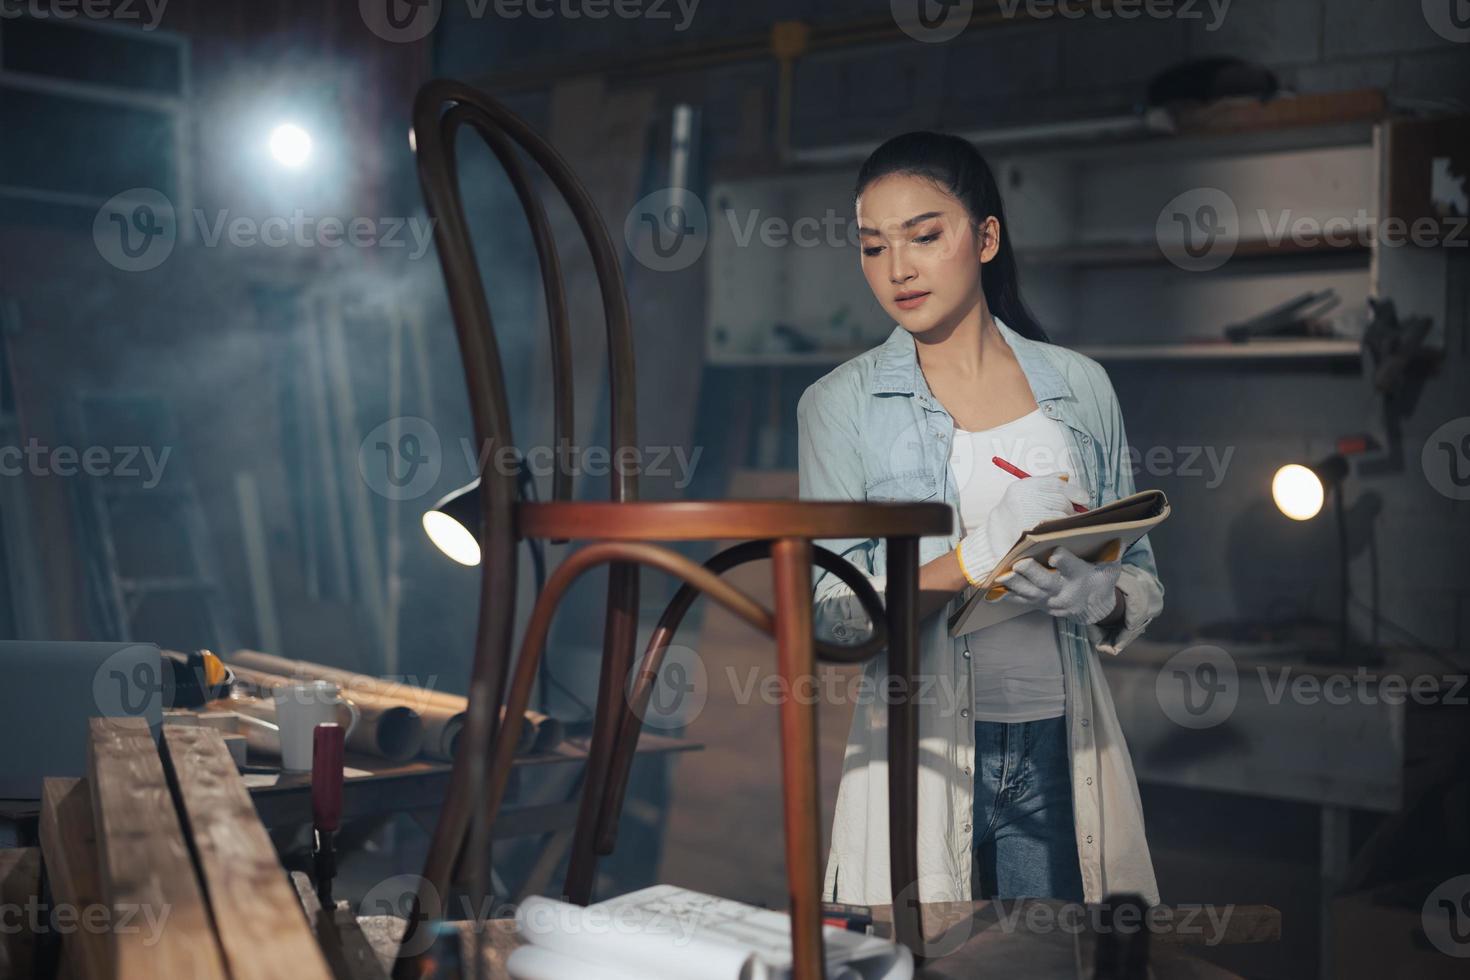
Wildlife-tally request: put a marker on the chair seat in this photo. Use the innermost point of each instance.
(714, 520)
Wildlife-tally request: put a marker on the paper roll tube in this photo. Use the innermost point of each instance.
(387, 729)
(540, 733)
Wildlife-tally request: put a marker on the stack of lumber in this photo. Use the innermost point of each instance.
(159, 862)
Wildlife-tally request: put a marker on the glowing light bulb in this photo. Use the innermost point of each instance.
(290, 145)
(452, 537)
(1298, 492)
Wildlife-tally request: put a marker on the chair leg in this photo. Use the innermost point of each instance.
(901, 601)
(612, 706)
(792, 567)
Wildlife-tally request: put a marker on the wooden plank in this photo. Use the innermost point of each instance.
(20, 889)
(69, 845)
(145, 868)
(261, 927)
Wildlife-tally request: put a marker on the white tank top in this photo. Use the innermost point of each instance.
(1016, 665)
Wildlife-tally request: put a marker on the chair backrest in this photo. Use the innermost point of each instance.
(441, 109)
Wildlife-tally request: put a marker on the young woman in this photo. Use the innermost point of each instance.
(1025, 781)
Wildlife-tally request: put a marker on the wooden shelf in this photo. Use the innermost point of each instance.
(1227, 128)
(1344, 349)
(1148, 253)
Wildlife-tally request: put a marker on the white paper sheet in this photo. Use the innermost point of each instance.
(678, 934)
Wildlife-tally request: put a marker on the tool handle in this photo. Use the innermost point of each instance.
(326, 776)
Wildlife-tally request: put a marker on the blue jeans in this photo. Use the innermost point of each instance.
(1025, 842)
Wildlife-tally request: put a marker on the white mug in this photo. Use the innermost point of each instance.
(300, 707)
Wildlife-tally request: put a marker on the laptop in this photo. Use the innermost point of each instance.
(48, 691)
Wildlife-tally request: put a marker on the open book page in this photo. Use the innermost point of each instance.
(674, 933)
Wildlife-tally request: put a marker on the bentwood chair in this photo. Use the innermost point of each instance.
(621, 533)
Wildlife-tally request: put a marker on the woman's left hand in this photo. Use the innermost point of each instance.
(1066, 585)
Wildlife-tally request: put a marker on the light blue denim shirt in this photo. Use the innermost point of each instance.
(872, 430)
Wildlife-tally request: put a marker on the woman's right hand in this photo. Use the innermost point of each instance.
(1026, 503)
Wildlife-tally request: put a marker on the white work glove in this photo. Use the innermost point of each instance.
(1065, 586)
(1025, 504)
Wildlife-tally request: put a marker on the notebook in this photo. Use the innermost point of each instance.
(1100, 534)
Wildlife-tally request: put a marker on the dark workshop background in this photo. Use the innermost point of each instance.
(269, 373)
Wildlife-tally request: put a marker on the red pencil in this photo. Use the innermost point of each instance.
(1021, 474)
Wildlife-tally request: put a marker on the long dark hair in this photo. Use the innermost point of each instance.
(958, 167)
